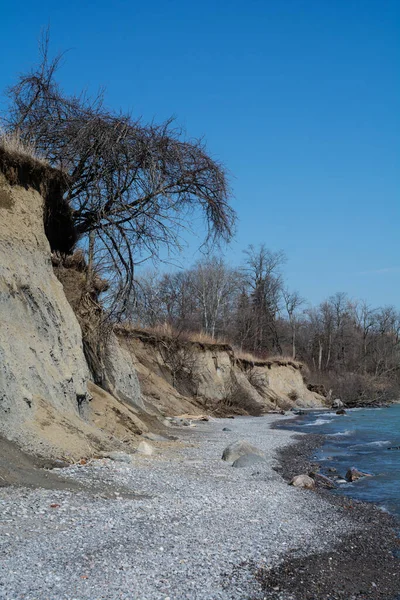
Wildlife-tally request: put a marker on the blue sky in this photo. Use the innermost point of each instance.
(298, 98)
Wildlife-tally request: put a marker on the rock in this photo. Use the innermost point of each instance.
(178, 422)
(238, 449)
(354, 474)
(248, 460)
(190, 417)
(323, 481)
(154, 437)
(337, 403)
(332, 470)
(303, 481)
(117, 456)
(341, 411)
(226, 429)
(145, 449)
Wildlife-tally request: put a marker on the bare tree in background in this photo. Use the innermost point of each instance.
(293, 301)
(262, 273)
(132, 186)
(214, 285)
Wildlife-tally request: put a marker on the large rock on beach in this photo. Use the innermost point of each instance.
(238, 449)
(117, 456)
(323, 481)
(145, 449)
(303, 481)
(337, 403)
(248, 460)
(354, 474)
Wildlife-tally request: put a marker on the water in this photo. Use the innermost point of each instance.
(360, 439)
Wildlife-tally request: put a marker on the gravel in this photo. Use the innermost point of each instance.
(195, 520)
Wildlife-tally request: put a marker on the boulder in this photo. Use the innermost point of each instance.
(145, 449)
(337, 403)
(248, 460)
(238, 449)
(303, 481)
(323, 481)
(341, 411)
(354, 474)
(117, 456)
(178, 422)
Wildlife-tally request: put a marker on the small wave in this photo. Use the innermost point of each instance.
(379, 444)
(330, 415)
(341, 433)
(318, 422)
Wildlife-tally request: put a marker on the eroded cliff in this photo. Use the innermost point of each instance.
(51, 401)
(45, 405)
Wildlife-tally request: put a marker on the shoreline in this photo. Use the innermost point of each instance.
(363, 566)
(198, 529)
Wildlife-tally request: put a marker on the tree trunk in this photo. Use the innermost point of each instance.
(89, 272)
(294, 343)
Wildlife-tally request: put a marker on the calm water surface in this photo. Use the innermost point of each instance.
(361, 439)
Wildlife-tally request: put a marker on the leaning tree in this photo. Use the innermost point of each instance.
(132, 187)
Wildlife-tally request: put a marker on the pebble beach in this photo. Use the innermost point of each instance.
(189, 525)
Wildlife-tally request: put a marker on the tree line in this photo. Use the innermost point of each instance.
(347, 343)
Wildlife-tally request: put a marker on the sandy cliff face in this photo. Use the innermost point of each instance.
(41, 359)
(187, 377)
(45, 404)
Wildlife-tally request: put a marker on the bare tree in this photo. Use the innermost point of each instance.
(262, 272)
(292, 301)
(132, 186)
(214, 286)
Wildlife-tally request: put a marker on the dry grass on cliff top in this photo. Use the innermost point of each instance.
(165, 330)
(15, 146)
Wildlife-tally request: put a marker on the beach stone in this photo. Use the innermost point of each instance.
(248, 460)
(323, 481)
(180, 422)
(117, 456)
(337, 403)
(354, 474)
(238, 449)
(145, 449)
(226, 429)
(303, 481)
